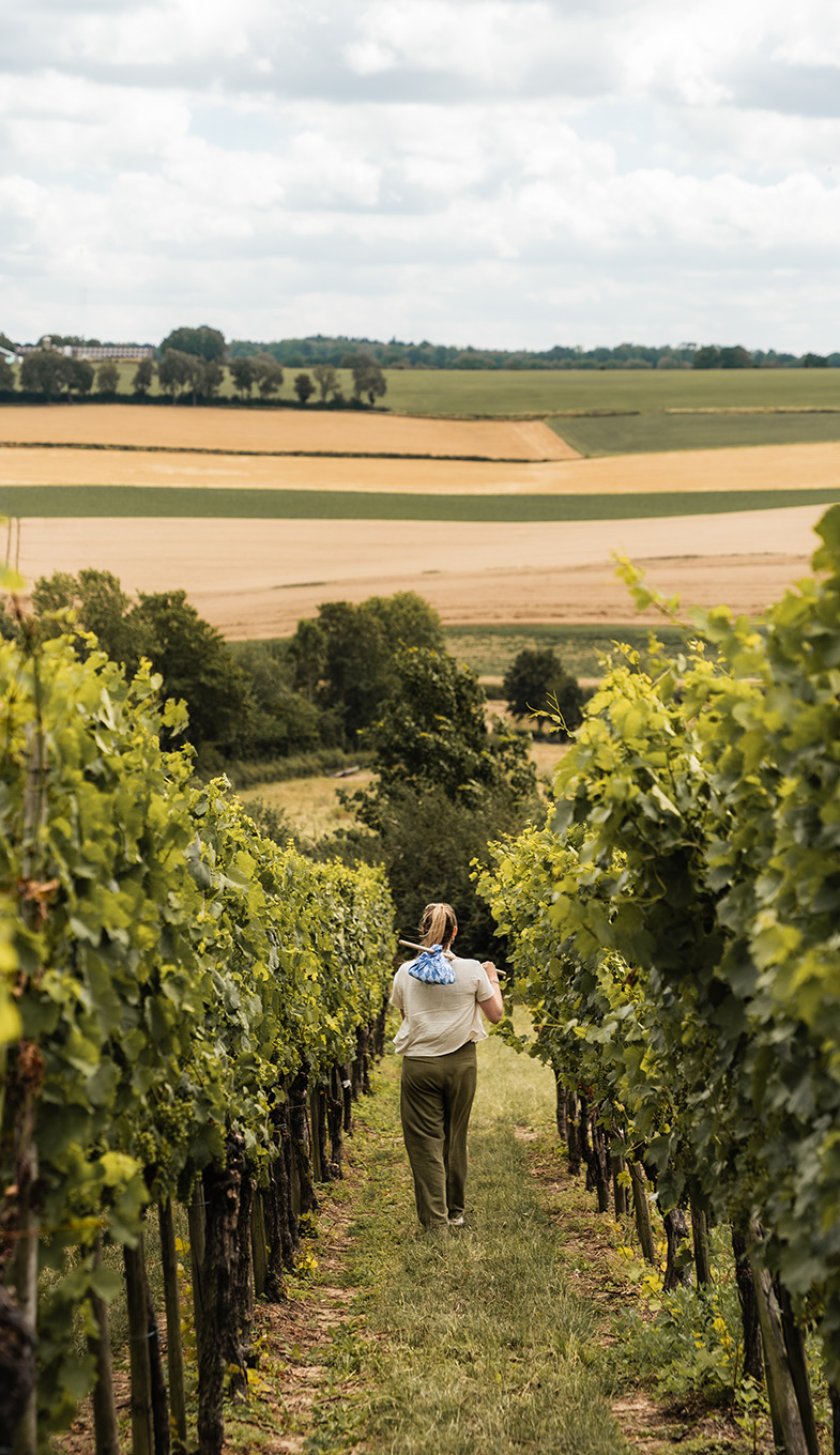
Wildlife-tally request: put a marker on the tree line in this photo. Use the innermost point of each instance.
(320, 352)
(425, 355)
(190, 377)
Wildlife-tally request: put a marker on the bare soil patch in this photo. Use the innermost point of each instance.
(771, 467)
(280, 429)
(258, 578)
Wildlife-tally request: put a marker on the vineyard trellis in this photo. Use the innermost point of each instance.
(186, 1011)
(675, 931)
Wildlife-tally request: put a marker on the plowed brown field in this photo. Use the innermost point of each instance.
(257, 578)
(279, 429)
(766, 467)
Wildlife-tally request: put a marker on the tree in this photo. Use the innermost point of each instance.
(326, 378)
(407, 620)
(143, 376)
(80, 376)
(202, 342)
(706, 358)
(347, 658)
(101, 606)
(736, 358)
(196, 664)
(814, 361)
(368, 378)
(429, 844)
(208, 377)
(7, 375)
(193, 658)
(308, 651)
(433, 730)
(176, 372)
(268, 373)
(107, 378)
(244, 375)
(282, 721)
(533, 678)
(303, 387)
(45, 371)
(446, 783)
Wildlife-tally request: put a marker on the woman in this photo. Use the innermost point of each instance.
(442, 999)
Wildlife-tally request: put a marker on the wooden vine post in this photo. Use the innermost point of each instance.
(641, 1210)
(104, 1404)
(142, 1432)
(789, 1430)
(172, 1304)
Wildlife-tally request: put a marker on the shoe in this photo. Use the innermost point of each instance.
(457, 1222)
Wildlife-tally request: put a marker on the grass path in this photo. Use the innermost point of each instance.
(477, 1342)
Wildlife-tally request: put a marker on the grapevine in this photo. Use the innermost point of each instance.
(674, 931)
(168, 978)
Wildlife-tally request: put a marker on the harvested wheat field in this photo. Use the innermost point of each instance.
(257, 578)
(762, 467)
(278, 430)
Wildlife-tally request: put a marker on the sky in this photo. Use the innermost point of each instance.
(508, 173)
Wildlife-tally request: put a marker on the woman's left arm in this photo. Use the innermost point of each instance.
(493, 1007)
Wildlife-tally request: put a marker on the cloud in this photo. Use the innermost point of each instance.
(422, 167)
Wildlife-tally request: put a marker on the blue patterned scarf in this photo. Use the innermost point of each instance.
(433, 967)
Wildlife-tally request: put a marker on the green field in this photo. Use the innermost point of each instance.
(639, 434)
(489, 650)
(127, 501)
(499, 392)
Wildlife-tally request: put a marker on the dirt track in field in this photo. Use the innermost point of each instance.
(279, 429)
(257, 578)
(763, 467)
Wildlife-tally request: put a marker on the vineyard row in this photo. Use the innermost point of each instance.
(187, 1011)
(675, 931)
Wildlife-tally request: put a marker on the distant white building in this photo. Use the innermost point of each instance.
(9, 356)
(94, 352)
(97, 352)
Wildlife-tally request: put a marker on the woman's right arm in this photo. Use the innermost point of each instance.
(493, 1007)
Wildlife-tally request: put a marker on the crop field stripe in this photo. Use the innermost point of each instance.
(275, 454)
(635, 434)
(178, 502)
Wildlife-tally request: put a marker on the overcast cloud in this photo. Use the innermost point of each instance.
(497, 172)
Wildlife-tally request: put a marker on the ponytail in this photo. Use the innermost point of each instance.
(438, 925)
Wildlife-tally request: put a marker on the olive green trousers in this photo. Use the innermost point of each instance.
(436, 1097)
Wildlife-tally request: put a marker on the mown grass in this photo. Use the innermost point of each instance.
(472, 1341)
(635, 434)
(177, 502)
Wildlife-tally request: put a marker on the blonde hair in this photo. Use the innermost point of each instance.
(438, 925)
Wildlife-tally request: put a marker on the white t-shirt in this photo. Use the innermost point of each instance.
(438, 1019)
